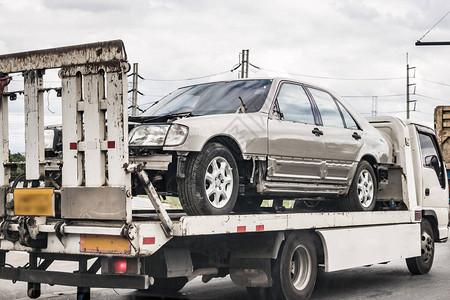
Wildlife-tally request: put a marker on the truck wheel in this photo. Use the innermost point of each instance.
(362, 195)
(211, 183)
(33, 293)
(293, 272)
(248, 204)
(422, 264)
(167, 285)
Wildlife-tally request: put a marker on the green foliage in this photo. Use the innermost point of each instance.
(19, 168)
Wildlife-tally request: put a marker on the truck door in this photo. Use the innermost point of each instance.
(434, 178)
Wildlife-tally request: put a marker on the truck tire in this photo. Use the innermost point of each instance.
(362, 195)
(422, 264)
(167, 285)
(211, 184)
(294, 271)
(248, 204)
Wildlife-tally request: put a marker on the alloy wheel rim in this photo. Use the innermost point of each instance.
(219, 182)
(365, 188)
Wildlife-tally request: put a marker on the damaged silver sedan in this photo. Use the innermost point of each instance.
(225, 146)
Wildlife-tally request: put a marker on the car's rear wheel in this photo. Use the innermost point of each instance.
(362, 195)
(211, 183)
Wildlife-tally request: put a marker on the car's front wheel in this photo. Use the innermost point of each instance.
(362, 194)
(210, 186)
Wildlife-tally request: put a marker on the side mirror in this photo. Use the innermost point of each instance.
(432, 161)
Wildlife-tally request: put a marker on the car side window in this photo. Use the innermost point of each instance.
(349, 121)
(294, 104)
(430, 155)
(328, 109)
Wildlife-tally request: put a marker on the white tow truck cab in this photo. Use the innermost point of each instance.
(86, 216)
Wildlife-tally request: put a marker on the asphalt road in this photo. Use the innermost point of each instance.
(390, 281)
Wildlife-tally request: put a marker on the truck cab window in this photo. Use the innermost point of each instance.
(294, 104)
(430, 156)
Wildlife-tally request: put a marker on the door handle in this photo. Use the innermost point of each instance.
(356, 136)
(427, 192)
(317, 132)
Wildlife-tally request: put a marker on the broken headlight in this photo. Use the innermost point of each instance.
(158, 135)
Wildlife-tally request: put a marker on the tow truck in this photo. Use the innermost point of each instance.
(86, 214)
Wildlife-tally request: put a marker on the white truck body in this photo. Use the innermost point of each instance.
(96, 222)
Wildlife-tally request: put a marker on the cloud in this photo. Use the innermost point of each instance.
(184, 39)
(96, 6)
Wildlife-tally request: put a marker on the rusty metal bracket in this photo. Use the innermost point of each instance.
(166, 222)
(59, 231)
(4, 81)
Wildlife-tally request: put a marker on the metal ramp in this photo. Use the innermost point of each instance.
(95, 184)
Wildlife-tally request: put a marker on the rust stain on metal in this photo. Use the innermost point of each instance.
(64, 56)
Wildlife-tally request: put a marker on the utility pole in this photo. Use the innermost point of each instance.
(408, 101)
(134, 90)
(244, 63)
(374, 105)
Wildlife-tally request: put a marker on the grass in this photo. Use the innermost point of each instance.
(174, 202)
(286, 203)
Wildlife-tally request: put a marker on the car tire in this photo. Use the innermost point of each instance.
(211, 184)
(248, 204)
(362, 195)
(294, 272)
(422, 264)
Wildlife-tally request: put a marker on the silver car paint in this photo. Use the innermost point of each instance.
(249, 130)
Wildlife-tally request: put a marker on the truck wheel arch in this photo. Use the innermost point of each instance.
(430, 215)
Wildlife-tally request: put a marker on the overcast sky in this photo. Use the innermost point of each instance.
(185, 39)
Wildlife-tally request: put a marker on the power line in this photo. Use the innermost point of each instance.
(397, 95)
(432, 81)
(326, 77)
(370, 96)
(192, 78)
(434, 25)
(432, 98)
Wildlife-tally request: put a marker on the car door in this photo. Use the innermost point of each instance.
(296, 147)
(342, 137)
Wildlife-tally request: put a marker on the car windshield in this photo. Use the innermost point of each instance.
(213, 98)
